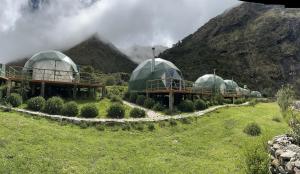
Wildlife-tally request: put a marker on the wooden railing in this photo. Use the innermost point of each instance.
(169, 84)
(22, 73)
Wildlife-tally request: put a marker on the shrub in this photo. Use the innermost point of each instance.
(200, 105)
(186, 106)
(158, 107)
(171, 112)
(36, 103)
(239, 101)
(186, 121)
(89, 111)
(15, 99)
(70, 109)
(162, 124)
(252, 129)
(173, 122)
(285, 97)
(7, 107)
(116, 110)
(137, 113)
(133, 97)
(83, 125)
(256, 158)
(276, 119)
(149, 103)
(54, 105)
(227, 101)
(151, 127)
(140, 100)
(100, 127)
(116, 99)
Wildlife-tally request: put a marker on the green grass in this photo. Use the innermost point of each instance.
(211, 144)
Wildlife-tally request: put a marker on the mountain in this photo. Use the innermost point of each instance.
(256, 45)
(140, 53)
(102, 56)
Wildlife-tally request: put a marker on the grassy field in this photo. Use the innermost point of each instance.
(211, 144)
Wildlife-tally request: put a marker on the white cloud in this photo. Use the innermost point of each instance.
(60, 24)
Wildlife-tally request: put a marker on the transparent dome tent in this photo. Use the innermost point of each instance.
(51, 66)
(210, 83)
(162, 72)
(244, 92)
(232, 87)
(255, 94)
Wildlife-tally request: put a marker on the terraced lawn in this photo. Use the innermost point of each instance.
(213, 143)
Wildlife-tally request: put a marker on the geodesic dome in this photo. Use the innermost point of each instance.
(210, 82)
(51, 66)
(244, 92)
(232, 87)
(163, 70)
(256, 94)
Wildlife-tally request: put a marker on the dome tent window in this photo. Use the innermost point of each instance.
(51, 66)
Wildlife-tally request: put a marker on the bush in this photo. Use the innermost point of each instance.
(186, 106)
(227, 101)
(285, 97)
(173, 122)
(100, 127)
(70, 109)
(125, 127)
(15, 99)
(116, 110)
(116, 99)
(133, 97)
(36, 103)
(54, 105)
(149, 103)
(200, 105)
(140, 100)
(151, 127)
(253, 102)
(139, 126)
(89, 111)
(7, 108)
(252, 129)
(239, 101)
(256, 158)
(137, 113)
(158, 107)
(186, 121)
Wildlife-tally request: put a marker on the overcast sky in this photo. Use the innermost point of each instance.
(61, 24)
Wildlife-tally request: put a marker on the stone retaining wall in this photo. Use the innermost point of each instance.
(284, 155)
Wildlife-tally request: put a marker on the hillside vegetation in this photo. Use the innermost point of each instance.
(211, 144)
(256, 45)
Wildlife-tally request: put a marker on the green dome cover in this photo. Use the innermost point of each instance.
(50, 55)
(142, 74)
(244, 92)
(210, 82)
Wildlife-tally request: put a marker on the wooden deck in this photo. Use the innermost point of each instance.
(167, 86)
(53, 77)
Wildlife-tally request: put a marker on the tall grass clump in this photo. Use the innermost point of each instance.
(285, 97)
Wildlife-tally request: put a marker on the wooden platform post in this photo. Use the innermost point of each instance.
(74, 91)
(43, 89)
(103, 92)
(171, 101)
(8, 83)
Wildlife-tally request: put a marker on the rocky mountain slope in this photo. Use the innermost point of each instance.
(102, 56)
(256, 45)
(140, 53)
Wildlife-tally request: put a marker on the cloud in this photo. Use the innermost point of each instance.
(60, 24)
